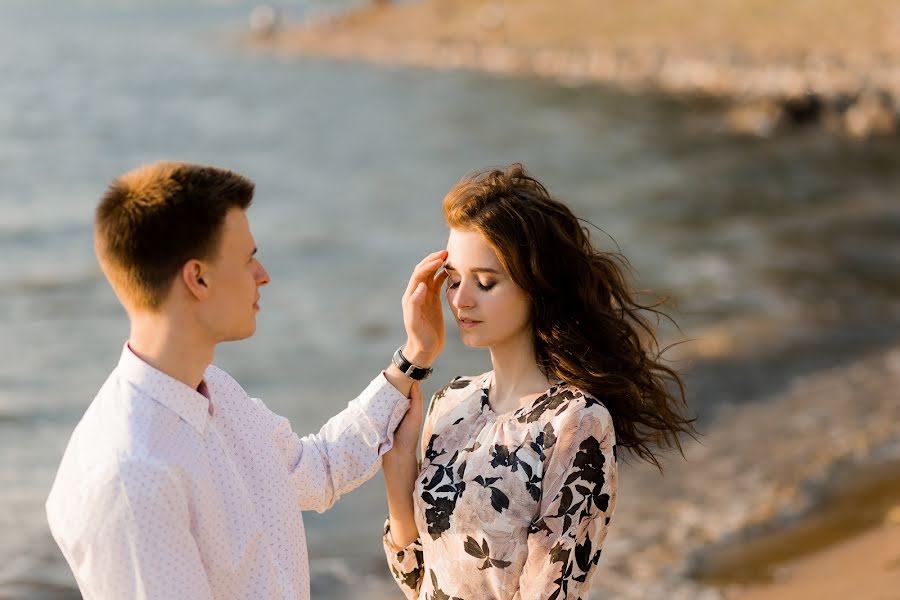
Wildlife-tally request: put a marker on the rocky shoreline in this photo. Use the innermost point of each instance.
(757, 469)
(765, 88)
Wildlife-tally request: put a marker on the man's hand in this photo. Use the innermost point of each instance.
(423, 316)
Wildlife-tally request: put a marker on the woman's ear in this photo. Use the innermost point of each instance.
(194, 275)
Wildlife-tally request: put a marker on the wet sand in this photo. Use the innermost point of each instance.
(858, 517)
(866, 567)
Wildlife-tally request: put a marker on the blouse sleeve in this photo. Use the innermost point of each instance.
(578, 499)
(407, 565)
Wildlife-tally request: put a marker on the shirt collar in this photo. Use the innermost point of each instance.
(187, 403)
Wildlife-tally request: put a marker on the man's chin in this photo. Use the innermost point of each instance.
(240, 335)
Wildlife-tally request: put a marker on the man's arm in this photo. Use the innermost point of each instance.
(131, 536)
(347, 450)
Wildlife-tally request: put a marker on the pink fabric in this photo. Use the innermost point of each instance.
(158, 496)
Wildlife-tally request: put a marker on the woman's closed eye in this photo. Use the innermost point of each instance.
(452, 285)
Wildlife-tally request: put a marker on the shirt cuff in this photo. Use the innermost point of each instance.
(382, 403)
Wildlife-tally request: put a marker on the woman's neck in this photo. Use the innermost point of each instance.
(517, 378)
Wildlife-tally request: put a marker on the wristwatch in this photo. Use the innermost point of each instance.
(410, 370)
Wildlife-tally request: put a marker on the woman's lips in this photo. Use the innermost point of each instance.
(468, 323)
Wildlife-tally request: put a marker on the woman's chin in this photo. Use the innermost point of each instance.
(470, 340)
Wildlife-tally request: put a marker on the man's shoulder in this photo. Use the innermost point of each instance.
(85, 498)
(224, 388)
(124, 425)
(214, 374)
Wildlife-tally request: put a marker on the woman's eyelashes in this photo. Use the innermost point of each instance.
(452, 285)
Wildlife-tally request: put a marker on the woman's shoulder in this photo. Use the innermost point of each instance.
(459, 388)
(461, 385)
(568, 403)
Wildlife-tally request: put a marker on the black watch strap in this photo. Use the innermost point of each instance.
(410, 370)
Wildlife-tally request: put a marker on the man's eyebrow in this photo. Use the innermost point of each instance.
(449, 267)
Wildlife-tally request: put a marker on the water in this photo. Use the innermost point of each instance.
(794, 240)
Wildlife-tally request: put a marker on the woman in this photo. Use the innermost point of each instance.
(518, 480)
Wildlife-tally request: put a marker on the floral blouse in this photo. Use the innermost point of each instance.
(509, 506)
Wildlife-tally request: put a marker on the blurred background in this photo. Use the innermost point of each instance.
(770, 217)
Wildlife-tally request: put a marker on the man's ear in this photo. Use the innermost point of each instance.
(193, 274)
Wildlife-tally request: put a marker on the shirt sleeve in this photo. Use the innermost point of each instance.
(579, 494)
(347, 450)
(131, 537)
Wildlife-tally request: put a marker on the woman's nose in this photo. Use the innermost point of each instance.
(463, 298)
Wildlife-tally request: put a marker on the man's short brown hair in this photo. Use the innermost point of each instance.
(154, 219)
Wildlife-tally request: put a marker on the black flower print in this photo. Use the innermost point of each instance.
(554, 399)
(483, 551)
(499, 500)
(438, 593)
(442, 500)
(549, 478)
(430, 454)
(588, 468)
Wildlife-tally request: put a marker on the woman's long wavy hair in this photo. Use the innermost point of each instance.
(589, 327)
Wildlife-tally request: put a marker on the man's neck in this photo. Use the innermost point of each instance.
(173, 348)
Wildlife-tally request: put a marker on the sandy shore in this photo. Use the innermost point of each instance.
(866, 567)
(759, 470)
(834, 62)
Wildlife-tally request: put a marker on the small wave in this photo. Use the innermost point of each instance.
(52, 282)
(31, 232)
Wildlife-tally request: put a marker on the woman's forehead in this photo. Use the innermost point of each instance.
(467, 249)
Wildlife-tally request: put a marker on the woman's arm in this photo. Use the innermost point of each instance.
(579, 489)
(401, 468)
(402, 547)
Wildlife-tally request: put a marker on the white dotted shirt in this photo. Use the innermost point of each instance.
(165, 493)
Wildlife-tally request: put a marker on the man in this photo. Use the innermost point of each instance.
(177, 484)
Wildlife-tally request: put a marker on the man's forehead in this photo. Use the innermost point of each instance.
(237, 228)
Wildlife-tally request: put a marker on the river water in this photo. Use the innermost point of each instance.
(780, 255)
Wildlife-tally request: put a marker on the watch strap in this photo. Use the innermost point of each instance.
(410, 370)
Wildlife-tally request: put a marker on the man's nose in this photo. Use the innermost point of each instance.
(263, 276)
